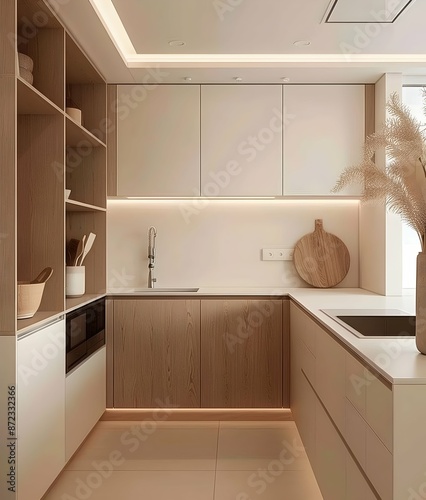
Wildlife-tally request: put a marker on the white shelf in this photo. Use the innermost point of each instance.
(78, 206)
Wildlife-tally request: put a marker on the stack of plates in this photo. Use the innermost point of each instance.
(26, 66)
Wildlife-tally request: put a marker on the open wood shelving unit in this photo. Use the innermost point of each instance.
(46, 152)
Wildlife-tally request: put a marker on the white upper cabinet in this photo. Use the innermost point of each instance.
(158, 140)
(324, 132)
(241, 140)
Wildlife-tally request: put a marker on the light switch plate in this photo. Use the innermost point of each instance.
(277, 253)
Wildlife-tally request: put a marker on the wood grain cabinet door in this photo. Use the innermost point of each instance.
(156, 353)
(241, 353)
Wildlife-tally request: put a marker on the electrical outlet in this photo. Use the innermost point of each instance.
(277, 253)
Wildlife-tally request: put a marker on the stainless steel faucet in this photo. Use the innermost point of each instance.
(152, 233)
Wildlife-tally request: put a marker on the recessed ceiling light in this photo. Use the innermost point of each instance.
(177, 43)
(302, 43)
(238, 78)
(285, 79)
(187, 79)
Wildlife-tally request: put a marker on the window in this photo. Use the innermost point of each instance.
(413, 98)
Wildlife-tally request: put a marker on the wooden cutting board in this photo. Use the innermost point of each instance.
(321, 258)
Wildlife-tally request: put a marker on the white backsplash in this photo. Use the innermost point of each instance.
(218, 243)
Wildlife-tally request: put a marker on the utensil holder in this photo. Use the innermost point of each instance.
(75, 281)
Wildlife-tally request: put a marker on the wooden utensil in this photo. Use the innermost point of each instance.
(80, 250)
(43, 276)
(321, 258)
(87, 247)
(72, 248)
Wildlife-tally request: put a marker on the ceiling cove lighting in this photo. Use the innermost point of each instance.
(250, 60)
(109, 17)
(247, 199)
(365, 11)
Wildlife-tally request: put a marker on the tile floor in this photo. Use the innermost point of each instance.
(189, 461)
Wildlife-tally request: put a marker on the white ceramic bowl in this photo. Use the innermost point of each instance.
(25, 62)
(26, 75)
(29, 298)
(75, 114)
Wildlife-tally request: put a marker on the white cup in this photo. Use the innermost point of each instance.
(75, 281)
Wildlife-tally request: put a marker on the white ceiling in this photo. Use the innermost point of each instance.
(263, 32)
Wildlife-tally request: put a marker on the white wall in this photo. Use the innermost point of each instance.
(381, 231)
(218, 243)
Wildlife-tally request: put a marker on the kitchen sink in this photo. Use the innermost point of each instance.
(167, 290)
(375, 323)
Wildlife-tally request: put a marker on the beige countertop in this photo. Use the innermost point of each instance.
(397, 359)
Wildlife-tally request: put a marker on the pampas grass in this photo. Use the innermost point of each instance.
(402, 185)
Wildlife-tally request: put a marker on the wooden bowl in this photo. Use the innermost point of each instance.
(29, 298)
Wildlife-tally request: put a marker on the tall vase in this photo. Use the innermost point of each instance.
(421, 302)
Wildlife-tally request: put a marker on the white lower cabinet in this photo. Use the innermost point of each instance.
(302, 399)
(329, 372)
(330, 396)
(330, 461)
(379, 465)
(357, 488)
(40, 409)
(85, 399)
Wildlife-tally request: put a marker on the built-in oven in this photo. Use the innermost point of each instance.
(85, 332)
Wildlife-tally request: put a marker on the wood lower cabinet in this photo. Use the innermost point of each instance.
(156, 353)
(241, 353)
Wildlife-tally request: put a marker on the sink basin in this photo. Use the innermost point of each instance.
(166, 290)
(375, 323)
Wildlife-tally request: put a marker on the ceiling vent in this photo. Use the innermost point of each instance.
(365, 11)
